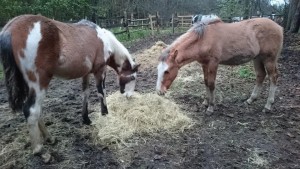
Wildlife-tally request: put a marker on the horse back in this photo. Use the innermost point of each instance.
(240, 42)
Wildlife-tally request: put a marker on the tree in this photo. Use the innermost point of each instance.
(295, 18)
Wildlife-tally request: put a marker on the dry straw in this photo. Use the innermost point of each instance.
(142, 114)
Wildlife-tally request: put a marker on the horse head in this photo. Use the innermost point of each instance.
(122, 62)
(167, 70)
(127, 78)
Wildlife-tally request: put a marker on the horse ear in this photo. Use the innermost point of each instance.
(175, 55)
(136, 67)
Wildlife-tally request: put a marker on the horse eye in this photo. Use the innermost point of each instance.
(167, 72)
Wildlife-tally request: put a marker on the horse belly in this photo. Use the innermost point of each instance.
(70, 68)
(237, 60)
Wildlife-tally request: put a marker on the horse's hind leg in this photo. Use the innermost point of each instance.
(32, 111)
(47, 137)
(85, 88)
(271, 68)
(260, 76)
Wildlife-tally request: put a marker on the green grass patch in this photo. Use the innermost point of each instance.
(246, 72)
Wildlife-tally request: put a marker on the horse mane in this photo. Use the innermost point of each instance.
(117, 47)
(87, 23)
(167, 50)
(199, 27)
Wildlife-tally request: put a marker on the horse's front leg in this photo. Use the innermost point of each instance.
(100, 82)
(210, 72)
(85, 88)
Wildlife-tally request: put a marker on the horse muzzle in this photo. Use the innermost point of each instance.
(162, 91)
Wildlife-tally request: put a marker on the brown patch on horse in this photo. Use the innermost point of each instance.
(112, 63)
(48, 51)
(31, 76)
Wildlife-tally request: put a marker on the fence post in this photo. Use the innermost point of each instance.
(126, 24)
(173, 23)
(131, 19)
(157, 22)
(151, 24)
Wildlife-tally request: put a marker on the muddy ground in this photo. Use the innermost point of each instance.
(235, 136)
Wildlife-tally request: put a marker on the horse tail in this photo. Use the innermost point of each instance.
(16, 86)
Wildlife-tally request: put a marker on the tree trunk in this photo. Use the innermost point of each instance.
(247, 9)
(292, 10)
(295, 23)
(285, 14)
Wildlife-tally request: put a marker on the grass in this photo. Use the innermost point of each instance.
(246, 72)
(136, 34)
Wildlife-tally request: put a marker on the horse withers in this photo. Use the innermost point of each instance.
(212, 42)
(34, 49)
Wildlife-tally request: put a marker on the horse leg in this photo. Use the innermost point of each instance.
(32, 110)
(271, 68)
(210, 78)
(100, 82)
(205, 101)
(85, 88)
(47, 137)
(260, 76)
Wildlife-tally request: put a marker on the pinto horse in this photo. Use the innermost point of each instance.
(213, 42)
(34, 49)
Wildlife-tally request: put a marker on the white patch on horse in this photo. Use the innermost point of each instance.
(129, 87)
(161, 68)
(88, 63)
(32, 44)
(106, 43)
(114, 47)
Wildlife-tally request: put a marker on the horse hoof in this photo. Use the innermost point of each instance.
(247, 102)
(105, 112)
(265, 110)
(208, 112)
(51, 141)
(37, 150)
(87, 121)
(46, 158)
(205, 103)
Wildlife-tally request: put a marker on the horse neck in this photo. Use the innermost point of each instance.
(121, 54)
(188, 53)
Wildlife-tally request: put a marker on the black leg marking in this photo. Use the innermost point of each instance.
(85, 113)
(101, 89)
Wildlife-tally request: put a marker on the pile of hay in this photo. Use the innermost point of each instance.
(149, 58)
(142, 114)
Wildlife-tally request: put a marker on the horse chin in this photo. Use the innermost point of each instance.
(162, 91)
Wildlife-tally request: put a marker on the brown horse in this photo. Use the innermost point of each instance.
(212, 42)
(34, 49)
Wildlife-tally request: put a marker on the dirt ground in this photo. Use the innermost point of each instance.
(235, 136)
